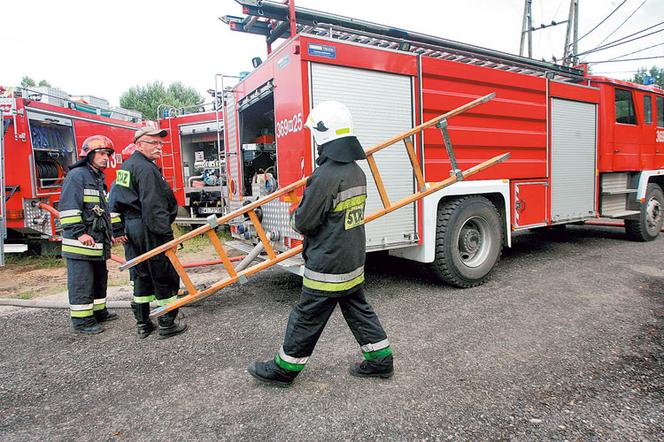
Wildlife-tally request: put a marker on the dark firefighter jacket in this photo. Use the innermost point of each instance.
(331, 218)
(140, 191)
(84, 209)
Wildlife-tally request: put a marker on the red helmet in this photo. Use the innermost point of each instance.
(96, 142)
(127, 151)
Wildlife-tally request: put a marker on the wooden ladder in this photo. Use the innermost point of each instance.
(235, 275)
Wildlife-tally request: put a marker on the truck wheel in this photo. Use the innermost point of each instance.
(469, 241)
(647, 227)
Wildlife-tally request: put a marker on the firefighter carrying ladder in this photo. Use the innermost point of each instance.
(240, 273)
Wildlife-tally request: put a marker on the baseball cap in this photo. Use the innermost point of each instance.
(149, 131)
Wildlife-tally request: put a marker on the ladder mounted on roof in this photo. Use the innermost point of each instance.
(241, 271)
(271, 19)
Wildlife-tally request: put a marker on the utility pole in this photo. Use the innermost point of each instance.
(569, 56)
(527, 28)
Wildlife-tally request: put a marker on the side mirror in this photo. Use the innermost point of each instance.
(256, 61)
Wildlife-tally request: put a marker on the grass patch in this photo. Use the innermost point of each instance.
(35, 262)
(200, 242)
(26, 295)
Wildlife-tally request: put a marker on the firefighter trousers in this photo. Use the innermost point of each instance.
(155, 278)
(309, 317)
(86, 283)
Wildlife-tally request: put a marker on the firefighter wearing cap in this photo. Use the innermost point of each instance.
(331, 219)
(147, 208)
(87, 235)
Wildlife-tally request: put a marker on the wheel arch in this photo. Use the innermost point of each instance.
(496, 191)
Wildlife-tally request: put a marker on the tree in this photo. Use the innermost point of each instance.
(44, 83)
(146, 99)
(654, 72)
(27, 82)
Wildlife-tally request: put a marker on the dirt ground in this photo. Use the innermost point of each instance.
(565, 342)
(28, 277)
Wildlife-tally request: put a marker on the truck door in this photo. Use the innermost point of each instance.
(573, 159)
(233, 178)
(382, 106)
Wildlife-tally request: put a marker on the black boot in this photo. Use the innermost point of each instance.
(170, 326)
(144, 325)
(270, 373)
(86, 326)
(376, 368)
(105, 316)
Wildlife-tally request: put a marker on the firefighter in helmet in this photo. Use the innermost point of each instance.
(147, 208)
(331, 219)
(87, 235)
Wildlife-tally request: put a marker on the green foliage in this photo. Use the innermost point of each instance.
(655, 72)
(146, 99)
(27, 82)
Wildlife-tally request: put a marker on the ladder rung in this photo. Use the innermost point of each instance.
(379, 181)
(415, 163)
(221, 252)
(261, 234)
(191, 288)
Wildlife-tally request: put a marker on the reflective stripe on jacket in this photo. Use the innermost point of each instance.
(331, 218)
(83, 210)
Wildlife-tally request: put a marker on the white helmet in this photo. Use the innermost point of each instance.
(329, 121)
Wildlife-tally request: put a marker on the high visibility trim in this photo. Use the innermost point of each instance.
(349, 193)
(81, 313)
(80, 251)
(80, 310)
(343, 131)
(99, 304)
(351, 202)
(333, 277)
(70, 212)
(368, 348)
(143, 299)
(369, 356)
(91, 199)
(163, 302)
(288, 362)
(90, 192)
(332, 286)
(115, 220)
(66, 220)
(77, 243)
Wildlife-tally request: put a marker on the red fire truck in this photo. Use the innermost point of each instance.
(43, 131)
(193, 160)
(581, 147)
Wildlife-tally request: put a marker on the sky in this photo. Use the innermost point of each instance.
(104, 48)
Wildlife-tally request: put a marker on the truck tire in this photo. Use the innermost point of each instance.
(649, 223)
(469, 241)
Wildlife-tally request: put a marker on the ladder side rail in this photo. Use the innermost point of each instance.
(3, 204)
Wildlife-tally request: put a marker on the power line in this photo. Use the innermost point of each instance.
(626, 59)
(620, 40)
(636, 52)
(600, 23)
(621, 24)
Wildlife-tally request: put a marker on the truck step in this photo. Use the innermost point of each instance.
(620, 214)
(293, 265)
(15, 248)
(618, 192)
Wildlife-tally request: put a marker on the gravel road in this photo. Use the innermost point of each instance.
(565, 342)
